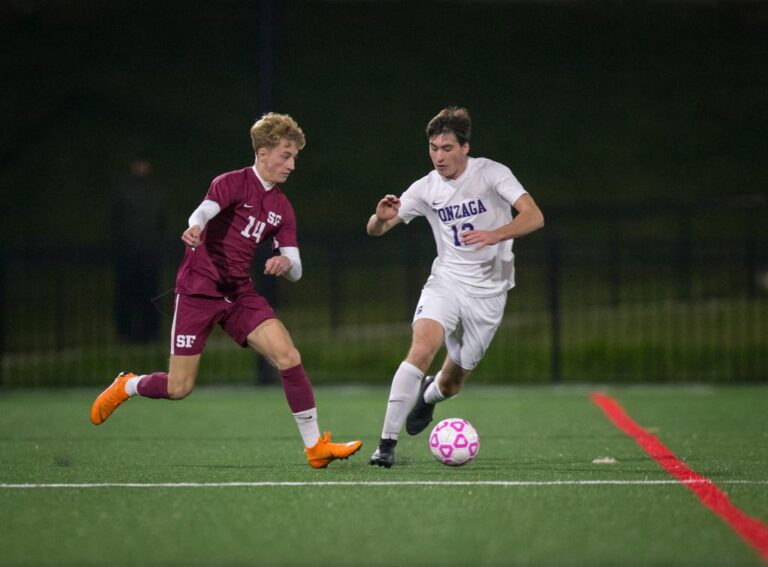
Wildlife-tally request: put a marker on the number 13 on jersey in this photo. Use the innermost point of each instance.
(456, 231)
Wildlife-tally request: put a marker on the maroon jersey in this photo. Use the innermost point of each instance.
(249, 216)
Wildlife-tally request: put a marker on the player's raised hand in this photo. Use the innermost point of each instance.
(277, 266)
(482, 238)
(191, 236)
(388, 208)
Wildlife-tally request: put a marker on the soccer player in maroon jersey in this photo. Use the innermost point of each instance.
(241, 210)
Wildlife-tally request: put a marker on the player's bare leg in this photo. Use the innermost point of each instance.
(182, 375)
(427, 340)
(445, 385)
(273, 341)
(452, 378)
(176, 384)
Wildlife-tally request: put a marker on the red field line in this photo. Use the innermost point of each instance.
(752, 530)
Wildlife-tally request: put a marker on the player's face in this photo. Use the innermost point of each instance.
(447, 155)
(276, 164)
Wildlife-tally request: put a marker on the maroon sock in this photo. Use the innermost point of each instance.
(154, 385)
(298, 390)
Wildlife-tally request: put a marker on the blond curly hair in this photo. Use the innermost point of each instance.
(271, 128)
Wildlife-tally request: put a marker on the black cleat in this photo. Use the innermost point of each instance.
(384, 455)
(421, 414)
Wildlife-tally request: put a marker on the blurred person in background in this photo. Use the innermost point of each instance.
(468, 203)
(137, 225)
(242, 210)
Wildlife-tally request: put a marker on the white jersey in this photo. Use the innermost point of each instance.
(480, 199)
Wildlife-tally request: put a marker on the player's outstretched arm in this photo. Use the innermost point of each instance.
(197, 221)
(529, 218)
(385, 216)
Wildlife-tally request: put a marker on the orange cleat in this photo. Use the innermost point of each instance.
(324, 451)
(110, 398)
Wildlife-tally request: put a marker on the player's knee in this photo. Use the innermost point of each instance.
(287, 358)
(179, 389)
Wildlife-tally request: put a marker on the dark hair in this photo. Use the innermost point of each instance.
(451, 120)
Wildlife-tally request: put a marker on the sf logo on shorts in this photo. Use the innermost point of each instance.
(185, 341)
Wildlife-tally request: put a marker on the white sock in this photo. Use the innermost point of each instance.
(132, 385)
(402, 396)
(307, 422)
(433, 395)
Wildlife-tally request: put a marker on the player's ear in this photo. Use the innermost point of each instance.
(465, 149)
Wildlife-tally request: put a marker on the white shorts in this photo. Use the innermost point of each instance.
(469, 322)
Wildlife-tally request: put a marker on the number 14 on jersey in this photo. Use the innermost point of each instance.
(257, 230)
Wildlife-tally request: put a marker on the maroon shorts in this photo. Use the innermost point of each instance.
(195, 316)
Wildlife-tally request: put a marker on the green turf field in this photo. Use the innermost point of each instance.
(533, 435)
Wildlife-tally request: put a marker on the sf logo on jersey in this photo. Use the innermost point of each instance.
(273, 218)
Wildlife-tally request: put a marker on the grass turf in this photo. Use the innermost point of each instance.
(247, 435)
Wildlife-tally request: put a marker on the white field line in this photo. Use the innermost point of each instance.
(430, 483)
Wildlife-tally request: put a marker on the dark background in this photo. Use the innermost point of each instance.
(645, 103)
(639, 128)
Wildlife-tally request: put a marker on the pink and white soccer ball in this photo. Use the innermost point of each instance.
(454, 442)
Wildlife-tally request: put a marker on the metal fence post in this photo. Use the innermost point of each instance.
(614, 264)
(3, 311)
(266, 21)
(750, 256)
(684, 255)
(335, 282)
(553, 256)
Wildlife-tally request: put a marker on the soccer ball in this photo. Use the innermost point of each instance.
(454, 442)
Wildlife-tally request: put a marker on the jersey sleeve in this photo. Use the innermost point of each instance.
(223, 191)
(505, 183)
(286, 233)
(204, 213)
(412, 203)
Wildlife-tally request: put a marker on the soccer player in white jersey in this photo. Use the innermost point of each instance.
(468, 203)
